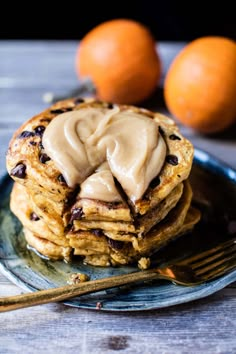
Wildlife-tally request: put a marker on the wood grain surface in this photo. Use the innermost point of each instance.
(29, 69)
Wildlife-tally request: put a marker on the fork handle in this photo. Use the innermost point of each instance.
(69, 291)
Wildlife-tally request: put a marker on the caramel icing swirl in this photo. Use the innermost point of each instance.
(80, 141)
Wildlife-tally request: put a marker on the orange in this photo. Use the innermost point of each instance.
(121, 58)
(200, 84)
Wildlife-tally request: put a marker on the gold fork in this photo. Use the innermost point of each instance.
(190, 271)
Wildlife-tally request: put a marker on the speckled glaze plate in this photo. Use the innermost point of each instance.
(214, 186)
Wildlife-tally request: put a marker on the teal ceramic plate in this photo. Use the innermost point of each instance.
(214, 186)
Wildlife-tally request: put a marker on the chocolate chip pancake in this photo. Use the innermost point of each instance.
(90, 175)
(106, 251)
(102, 248)
(28, 164)
(140, 225)
(22, 207)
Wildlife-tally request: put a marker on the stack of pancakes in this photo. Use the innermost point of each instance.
(59, 223)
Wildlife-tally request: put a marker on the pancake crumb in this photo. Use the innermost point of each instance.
(144, 263)
(76, 278)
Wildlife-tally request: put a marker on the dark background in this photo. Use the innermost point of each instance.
(168, 20)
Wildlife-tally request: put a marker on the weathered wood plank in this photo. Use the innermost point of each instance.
(194, 327)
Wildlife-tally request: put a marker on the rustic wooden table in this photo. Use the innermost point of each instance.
(27, 70)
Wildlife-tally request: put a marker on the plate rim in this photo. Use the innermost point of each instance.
(201, 157)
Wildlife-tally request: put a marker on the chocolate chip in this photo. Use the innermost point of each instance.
(77, 214)
(25, 134)
(39, 130)
(172, 160)
(33, 143)
(34, 217)
(113, 205)
(57, 110)
(46, 120)
(115, 244)
(174, 137)
(61, 179)
(155, 182)
(61, 110)
(110, 105)
(146, 197)
(98, 232)
(161, 131)
(41, 145)
(19, 171)
(78, 100)
(43, 158)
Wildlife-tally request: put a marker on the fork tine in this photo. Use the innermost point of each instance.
(222, 253)
(229, 259)
(219, 269)
(205, 254)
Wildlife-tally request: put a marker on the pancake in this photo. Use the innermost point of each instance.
(180, 220)
(99, 250)
(171, 227)
(28, 164)
(97, 247)
(93, 209)
(141, 224)
(61, 220)
(21, 206)
(47, 248)
(163, 230)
